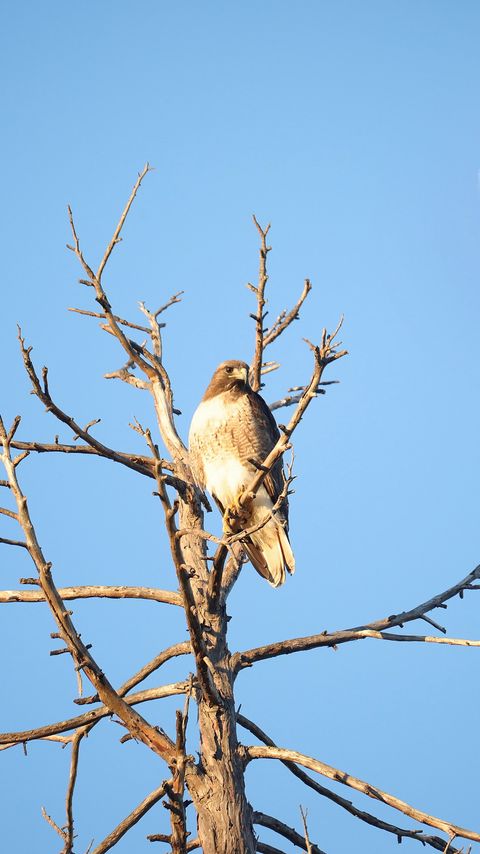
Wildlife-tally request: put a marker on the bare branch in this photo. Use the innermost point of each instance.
(303, 813)
(292, 399)
(173, 651)
(162, 837)
(323, 355)
(374, 792)
(69, 828)
(286, 318)
(263, 848)
(4, 511)
(434, 841)
(137, 462)
(259, 317)
(132, 819)
(136, 724)
(116, 234)
(93, 715)
(284, 830)
(8, 542)
(62, 416)
(48, 818)
(374, 629)
(93, 592)
(120, 320)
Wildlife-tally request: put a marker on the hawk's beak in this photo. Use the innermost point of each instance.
(241, 374)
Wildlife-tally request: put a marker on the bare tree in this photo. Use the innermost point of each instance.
(206, 568)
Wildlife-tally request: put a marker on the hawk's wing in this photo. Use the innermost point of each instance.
(262, 437)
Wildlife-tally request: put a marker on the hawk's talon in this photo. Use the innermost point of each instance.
(235, 519)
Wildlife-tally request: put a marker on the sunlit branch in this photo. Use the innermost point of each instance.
(285, 318)
(94, 592)
(373, 630)
(284, 830)
(399, 832)
(259, 752)
(8, 739)
(259, 317)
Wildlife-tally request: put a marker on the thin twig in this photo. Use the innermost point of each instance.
(8, 542)
(69, 827)
(259, 317)
(309, 845)
(284, 830)
(103, 316)
(324, 353)
(286, 318)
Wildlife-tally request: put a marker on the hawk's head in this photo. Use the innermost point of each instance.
(229, 376)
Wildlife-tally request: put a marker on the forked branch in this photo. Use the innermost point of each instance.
(136, 724)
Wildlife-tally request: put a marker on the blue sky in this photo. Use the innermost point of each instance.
(355, 129)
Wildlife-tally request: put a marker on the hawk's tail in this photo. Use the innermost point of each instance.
(270, 552)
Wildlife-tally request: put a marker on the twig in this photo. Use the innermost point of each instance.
(259, 317)
(117, 319)
(69, 828)
(116, 234)
(140, 464)
(286, 318)
(45, 397)
(48, 818)
(323, 355)
(8, 542)
(284, 830)
(264, 848)
(309, 845)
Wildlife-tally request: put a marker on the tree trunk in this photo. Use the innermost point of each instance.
(216, 784)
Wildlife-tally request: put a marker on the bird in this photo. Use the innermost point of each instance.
(231, 433)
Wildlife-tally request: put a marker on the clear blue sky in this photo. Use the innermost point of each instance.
(355, 129)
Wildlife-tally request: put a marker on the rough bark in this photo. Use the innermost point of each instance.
(216, 784)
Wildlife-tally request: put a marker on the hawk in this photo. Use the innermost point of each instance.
(231, 430)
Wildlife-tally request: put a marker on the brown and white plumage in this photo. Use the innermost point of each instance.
(231, 426)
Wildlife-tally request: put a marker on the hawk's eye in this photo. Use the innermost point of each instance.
(229, 370)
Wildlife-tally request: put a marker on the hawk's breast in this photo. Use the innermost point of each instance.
(214, 447)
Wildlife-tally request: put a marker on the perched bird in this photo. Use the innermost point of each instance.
(231, 430)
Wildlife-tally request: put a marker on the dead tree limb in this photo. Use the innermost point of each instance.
(399, 832)
(373, 630)
(361, 786)
(284, 830)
